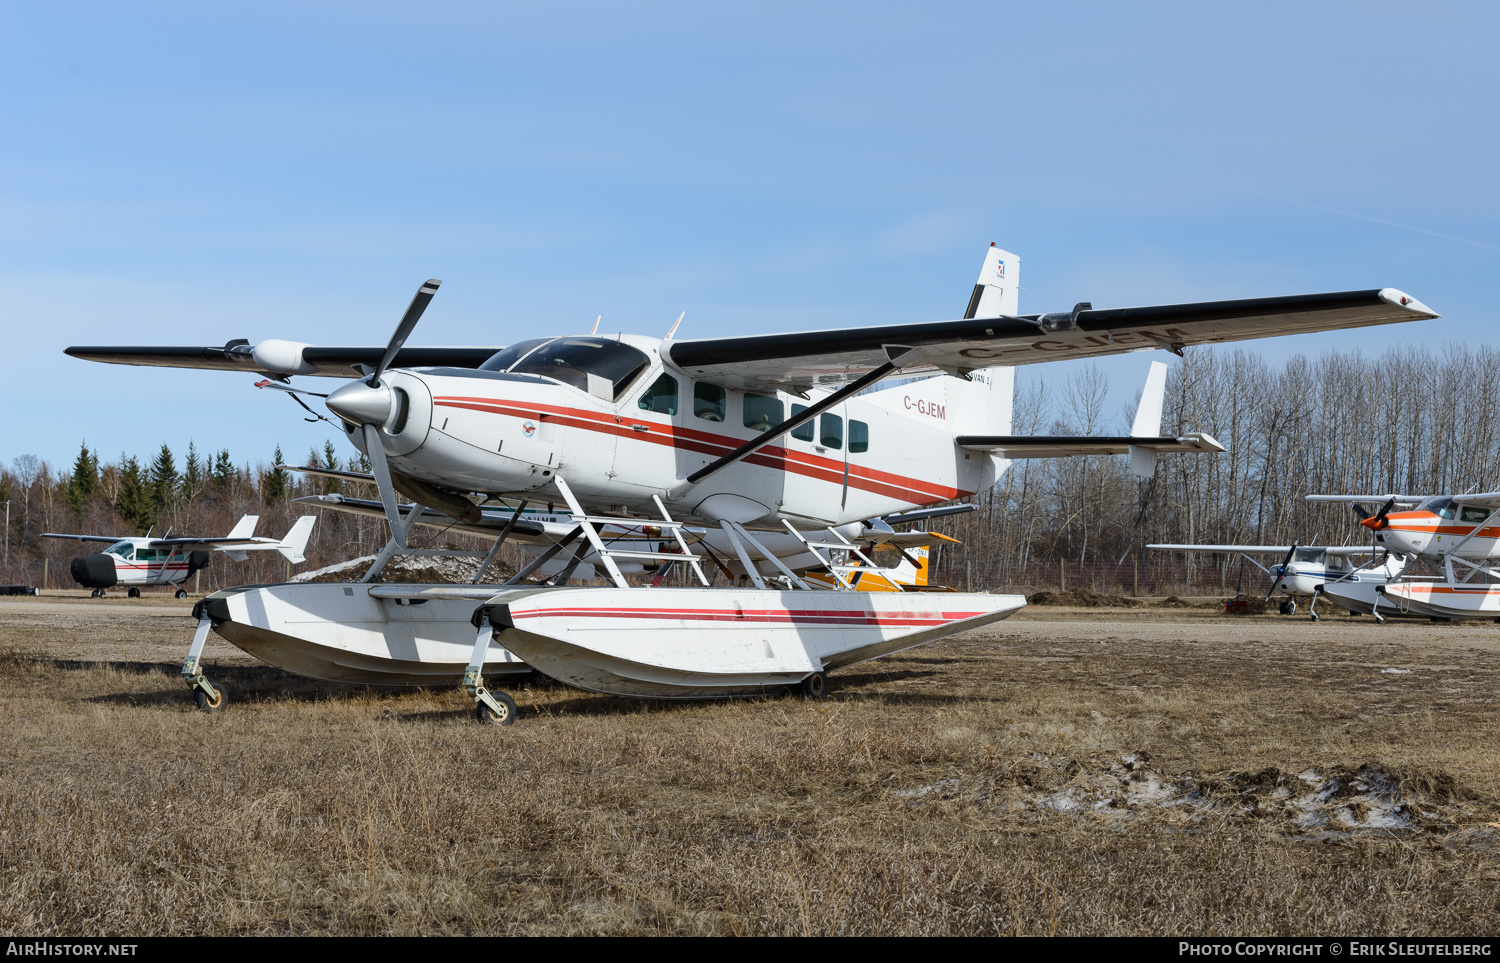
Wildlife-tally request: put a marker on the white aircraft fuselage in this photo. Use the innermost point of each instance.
(509, 433)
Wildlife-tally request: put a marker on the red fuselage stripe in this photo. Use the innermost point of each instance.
(706, 443)
(801, 617)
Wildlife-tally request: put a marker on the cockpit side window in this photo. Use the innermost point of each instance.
(661, 397)
(601, 366)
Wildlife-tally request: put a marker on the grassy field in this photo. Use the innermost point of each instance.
(1071, 771)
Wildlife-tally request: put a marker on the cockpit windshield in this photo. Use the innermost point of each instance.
(1307, 554)
(601, 366)
(502, 360)
(125, 550)
(1442, 506)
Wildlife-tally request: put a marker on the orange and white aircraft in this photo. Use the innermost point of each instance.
(749, 433)
(1457, 535)
(135, 561)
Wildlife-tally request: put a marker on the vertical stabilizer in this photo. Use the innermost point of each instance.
(245, 527)
(997, 293)
(296, 540)
(1148, 420)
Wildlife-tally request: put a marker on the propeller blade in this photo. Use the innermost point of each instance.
(382, 475)
(1380, 516)
(1281, 574)
(404, 329)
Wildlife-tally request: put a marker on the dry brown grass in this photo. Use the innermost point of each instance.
(915, 800)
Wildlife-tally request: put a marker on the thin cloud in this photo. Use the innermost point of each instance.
(1376, 220)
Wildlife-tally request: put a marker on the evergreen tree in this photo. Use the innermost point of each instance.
(274, 484)
(192, 474)
(223, 472)
(134, 504)
(84, 482)
(163, 479)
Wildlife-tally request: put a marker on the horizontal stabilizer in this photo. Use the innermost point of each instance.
(1064, 446)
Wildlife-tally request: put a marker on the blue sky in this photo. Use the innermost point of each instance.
(187, 174)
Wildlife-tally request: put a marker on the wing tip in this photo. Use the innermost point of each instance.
(1403, 300)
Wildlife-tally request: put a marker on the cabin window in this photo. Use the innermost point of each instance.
(709, 401)
(601, 366)
(146, 555)
(804, 431)
(762, 412)
(830, 431)
(1474, 514)
(859, 437)
(661, 397)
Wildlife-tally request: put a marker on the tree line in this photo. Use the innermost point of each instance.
(1410, 420)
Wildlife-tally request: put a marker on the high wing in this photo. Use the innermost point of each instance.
(1346, 550)
(1483, 499)
(86, 538)
(799, 360)
(1388, 497)
(221, 543)
(281, 358)
(1060, 446)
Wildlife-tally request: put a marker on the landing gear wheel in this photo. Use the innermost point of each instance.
(204, 703)
(489, 717)
(96, 593)
(134, 593)
(1286, 608)
(815, 686)
(181, 593)
(1313, 616)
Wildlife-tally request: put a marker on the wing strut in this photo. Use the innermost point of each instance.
(802, 417)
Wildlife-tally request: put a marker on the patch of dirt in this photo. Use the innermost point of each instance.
(1173, 602)
(1247, 605)
(1083, 598)
(1328, 803)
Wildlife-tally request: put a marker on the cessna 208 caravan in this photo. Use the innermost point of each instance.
(747, 433)
(134, 561)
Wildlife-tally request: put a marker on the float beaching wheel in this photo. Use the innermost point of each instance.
(487, 715)
(815, 686)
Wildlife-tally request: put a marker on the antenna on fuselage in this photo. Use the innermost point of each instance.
(673, 329)
(595, 328)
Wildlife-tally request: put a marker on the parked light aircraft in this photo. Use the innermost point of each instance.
(750, 433)
(1455, 534)
(141, 560)
(1309, 571)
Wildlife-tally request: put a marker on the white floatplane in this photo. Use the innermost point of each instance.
(134, 561)
(748, 434)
